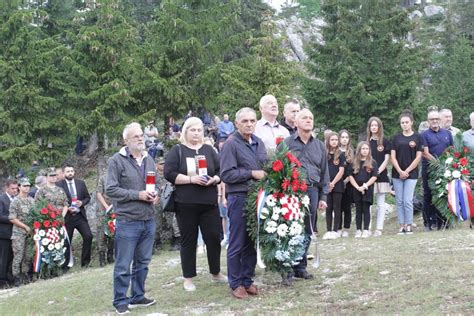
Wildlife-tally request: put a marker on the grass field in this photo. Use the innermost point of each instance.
(423, 274)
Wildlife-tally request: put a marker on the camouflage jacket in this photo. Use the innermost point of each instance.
(19, 209)
(54, 195)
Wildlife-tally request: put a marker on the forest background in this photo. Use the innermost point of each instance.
(72, 68)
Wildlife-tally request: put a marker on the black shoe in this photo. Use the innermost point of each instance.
(110, 256)
(144, 302)
(101, 259)
(176, 244)
(303, 275)
(17, 281)
(122, 309)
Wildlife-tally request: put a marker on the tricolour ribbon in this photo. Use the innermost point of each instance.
(460, 199)
(37, 258)
(261, 197)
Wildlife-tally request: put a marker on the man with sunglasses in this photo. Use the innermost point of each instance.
(19, 211)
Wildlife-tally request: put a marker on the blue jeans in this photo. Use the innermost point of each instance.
(404, 192)
(133, 245)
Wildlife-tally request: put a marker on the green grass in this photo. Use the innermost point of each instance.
(425, 273)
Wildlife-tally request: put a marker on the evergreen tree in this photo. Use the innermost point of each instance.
(365, 67)
(30, 78)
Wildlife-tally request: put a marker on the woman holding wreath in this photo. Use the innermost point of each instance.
(194, 167)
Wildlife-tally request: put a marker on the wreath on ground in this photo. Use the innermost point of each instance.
(451, 181)
(276, 207)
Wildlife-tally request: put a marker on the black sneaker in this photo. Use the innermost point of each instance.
(303, 275)
(144, 302)
(122, 309)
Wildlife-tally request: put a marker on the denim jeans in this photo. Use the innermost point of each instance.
(133, 246)
(404, 192)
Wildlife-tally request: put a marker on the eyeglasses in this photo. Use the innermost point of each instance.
(26, 185)
(434, 119)
(52, 175)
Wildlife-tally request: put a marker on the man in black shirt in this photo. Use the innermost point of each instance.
(311, 152)
(291, 109)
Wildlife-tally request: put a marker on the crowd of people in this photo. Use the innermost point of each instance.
(212, 168)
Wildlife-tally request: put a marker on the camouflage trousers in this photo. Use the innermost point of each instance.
(22, 256)
(166, 226)
(104, 242)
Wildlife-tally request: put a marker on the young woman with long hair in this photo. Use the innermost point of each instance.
(345, 146)
(380, 149)
(336, 166)
(363, 175)
(406, 155)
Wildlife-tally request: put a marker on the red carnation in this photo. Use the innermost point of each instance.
(52, 214)
(303, 186)
(111, 226)
(278, 140)
(465, 172)
(277, 165)
(295, 185)
(47, 223)
(113, 215)
(455, 165)
(294, 174)
(463, 161)
(50, 207)
(465, 149)
(285, 184)
(36, 225)
(457, 154)
(44, 211)
(55, 224)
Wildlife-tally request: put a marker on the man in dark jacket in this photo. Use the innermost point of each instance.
(76, 218)
(6, 255)
(135, 227)
(242, 159)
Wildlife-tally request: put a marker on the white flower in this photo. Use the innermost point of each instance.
(284, 200)
(36, 237)
(456, 174)
(305, 201)
(276, 209)
(45, 241)
(42, 233)
(447, 174)
(294, 229)
(57, 246)
(282, 230)
(438, 181)
(449, 160)
(270, 200)
(42, 249)
(275, 216)
(50, 247)
(271, 227)
(264, 213)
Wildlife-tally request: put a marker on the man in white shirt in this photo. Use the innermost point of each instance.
(446, 122)
(268, 129)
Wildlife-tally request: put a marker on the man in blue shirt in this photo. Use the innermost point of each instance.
(226, 128)
(435, 141)
(242, 158)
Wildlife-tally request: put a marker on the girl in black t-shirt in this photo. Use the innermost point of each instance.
(363, 174)
(336, 164)
(406, 155)
(345, 145)
(380, 149)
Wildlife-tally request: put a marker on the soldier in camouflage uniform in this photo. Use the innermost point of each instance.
(52, 193)
(105, 244)
(19, 210)
(166, 224)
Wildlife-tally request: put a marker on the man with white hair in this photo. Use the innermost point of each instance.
(268, 129)
(135, 228)
(468, 136)
(446, 121)
(290, 110)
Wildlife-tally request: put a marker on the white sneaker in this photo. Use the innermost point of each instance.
(345, 234)
(339, 234)
(224, 241)
(327, 235)
(377, 233)
(366, 234)
(358, 234)
(189, 287)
